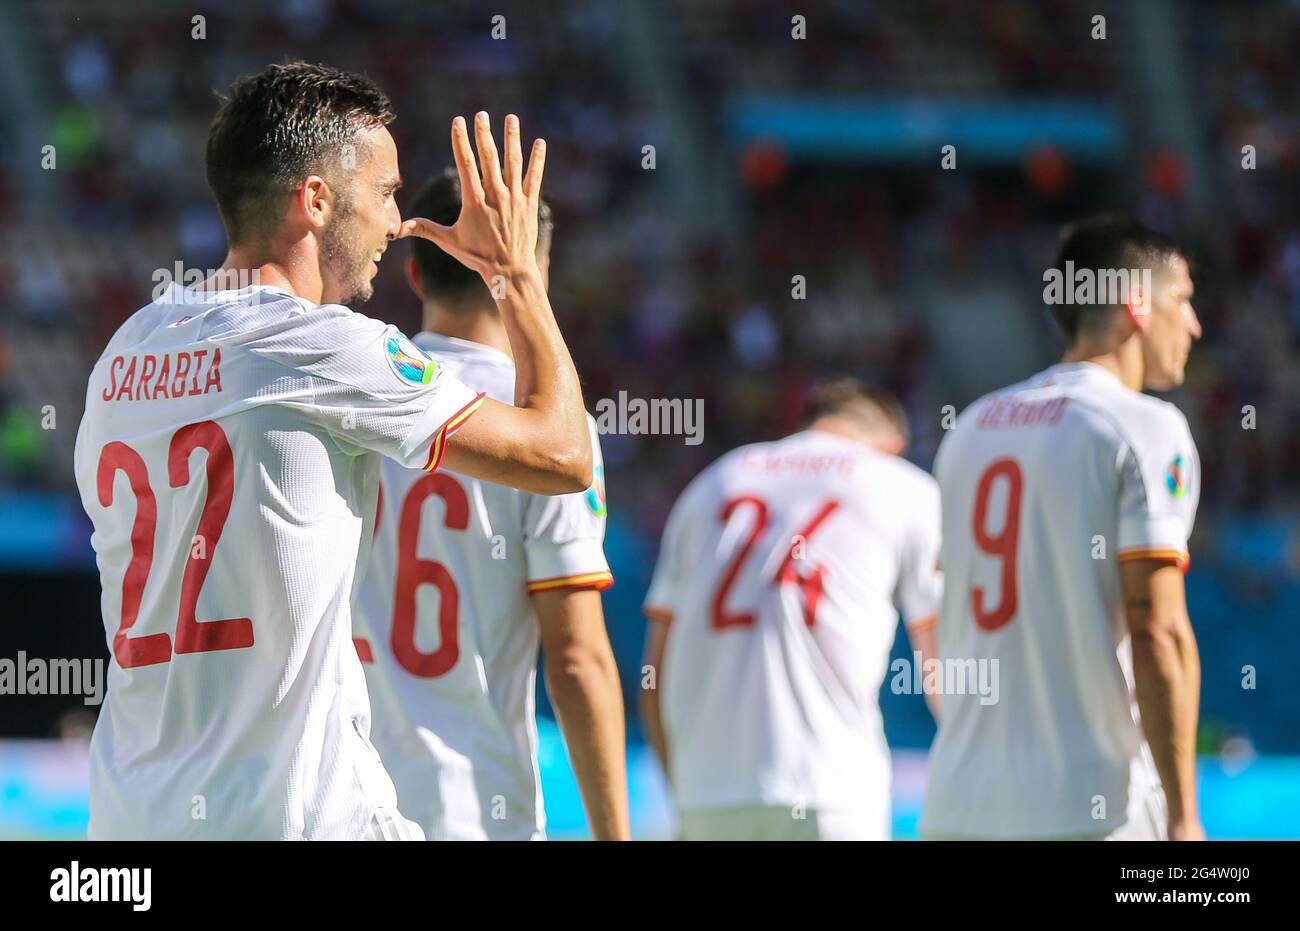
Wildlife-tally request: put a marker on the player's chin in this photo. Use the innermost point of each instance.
(1166, 380)
(359, 293)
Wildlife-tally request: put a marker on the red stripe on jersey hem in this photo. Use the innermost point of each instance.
(1177, 557)
(597, 580)
(454, 423)
(364, 653)
(663, 615)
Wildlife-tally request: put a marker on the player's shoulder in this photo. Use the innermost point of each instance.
(906, 475)
(1158, 437)
(481, 367)
(738, 460)
(1107, 406)
(712, 480)
(1143, 423)
(293, 320)
(231, 317)
(1152, 415)
(970, 416)
(717, 471)
(961, 427)
(337, 344)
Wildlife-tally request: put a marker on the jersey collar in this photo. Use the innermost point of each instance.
(1079, 371)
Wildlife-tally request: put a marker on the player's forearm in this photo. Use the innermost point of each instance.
(585, 690)
(1167, 673)
(652, 721)
(546, 382)
(925, 643)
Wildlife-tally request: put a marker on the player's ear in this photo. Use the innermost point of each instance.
(315, 200)
(413, 277)
(1137, 307)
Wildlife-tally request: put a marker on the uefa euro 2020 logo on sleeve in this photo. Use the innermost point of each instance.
(1176, 477)
(409, 360)
(596, 493)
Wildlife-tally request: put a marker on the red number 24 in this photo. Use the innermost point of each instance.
(811, 585)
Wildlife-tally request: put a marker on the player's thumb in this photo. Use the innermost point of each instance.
(425, 229)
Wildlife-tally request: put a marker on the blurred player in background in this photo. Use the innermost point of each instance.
(772, 618)
(463, 577)
(1067, 503)
(227, 462)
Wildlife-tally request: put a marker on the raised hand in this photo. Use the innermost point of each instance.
(496, 232)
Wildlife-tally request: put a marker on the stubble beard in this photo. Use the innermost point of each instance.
(344, 259)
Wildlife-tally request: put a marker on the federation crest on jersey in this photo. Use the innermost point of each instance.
(1176, 477)
(409, 361)
(596, 493)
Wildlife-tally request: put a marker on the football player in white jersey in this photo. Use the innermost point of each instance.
(227, 460)
(772, 613)
(464, 576)
(1067, 503)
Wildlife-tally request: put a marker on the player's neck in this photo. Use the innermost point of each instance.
(481, 327)
(1124, 362)
(251, 266)
(848, 430)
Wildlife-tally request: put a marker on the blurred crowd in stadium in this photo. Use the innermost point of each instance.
(676, 281)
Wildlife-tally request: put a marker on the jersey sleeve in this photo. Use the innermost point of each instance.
(1158, 494)
(920, 583)
(374, 389)
(662, 600)
(564, 534)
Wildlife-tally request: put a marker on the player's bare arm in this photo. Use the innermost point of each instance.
(1167, 675)
(583, 683)
(541, 444)
(921, 633)
(648, 702)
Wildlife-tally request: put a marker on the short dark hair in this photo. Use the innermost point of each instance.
(1106, 241)
(442, 277)
(275, 128)
(875, 409)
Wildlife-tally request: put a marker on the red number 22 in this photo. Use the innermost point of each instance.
(192, 635)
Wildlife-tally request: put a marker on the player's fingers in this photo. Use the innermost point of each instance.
(425, 229)
(533, 180)
(466, 168)
(487, 154)
(514, 157)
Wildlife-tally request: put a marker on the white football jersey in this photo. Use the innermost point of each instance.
(226, 460)
(778, 573)
(447, 632)
(1047, 486)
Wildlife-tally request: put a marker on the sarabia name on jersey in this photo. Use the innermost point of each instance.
(151, 376)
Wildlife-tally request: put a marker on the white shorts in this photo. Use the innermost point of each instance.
(388, 824)
(1147, 820)
(781, 822)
